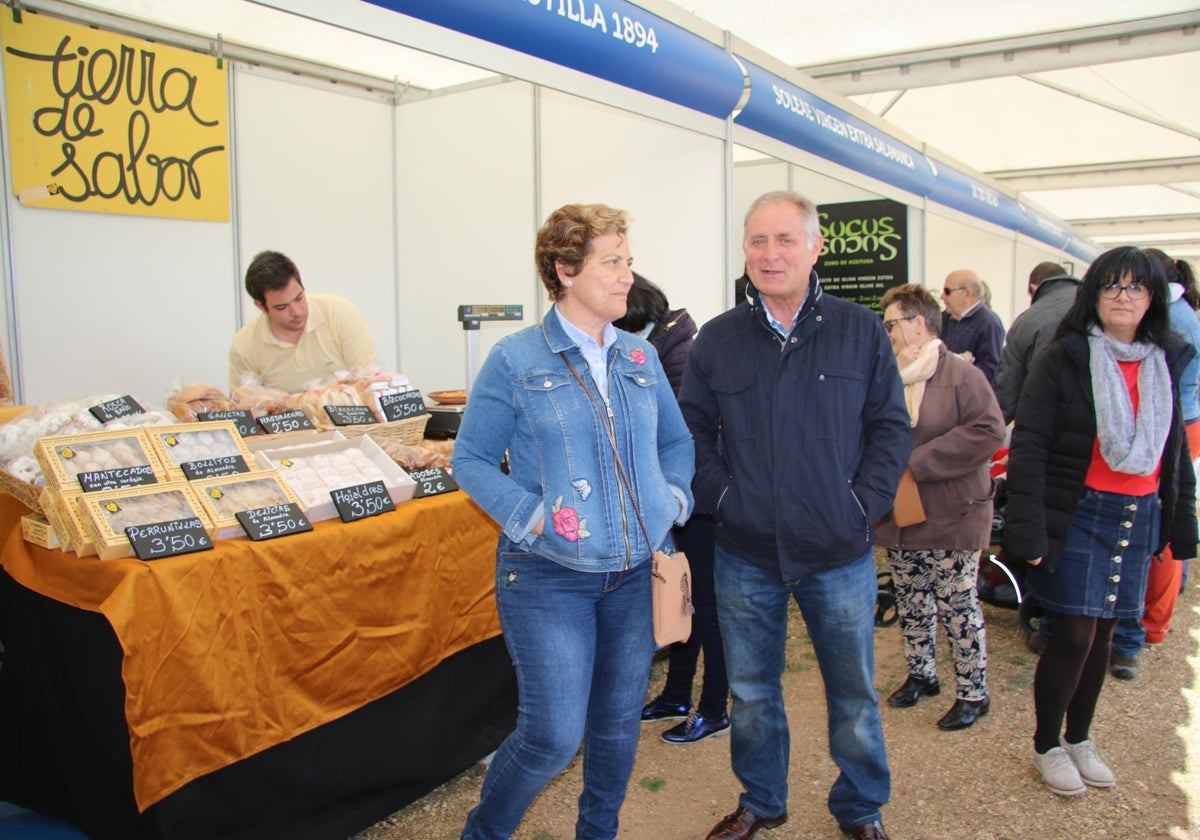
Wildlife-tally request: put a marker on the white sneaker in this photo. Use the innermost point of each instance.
(1059, 772)
(1091, 767)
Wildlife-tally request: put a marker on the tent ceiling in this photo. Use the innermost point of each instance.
(1089, 109)
(1074, 105)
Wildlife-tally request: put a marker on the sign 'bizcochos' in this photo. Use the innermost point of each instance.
(113, 124)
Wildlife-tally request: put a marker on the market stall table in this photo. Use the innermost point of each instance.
(298, 687)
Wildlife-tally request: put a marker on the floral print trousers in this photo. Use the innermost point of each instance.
(932, 584)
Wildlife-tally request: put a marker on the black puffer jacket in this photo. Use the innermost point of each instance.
(673, 340)
(1052, 447)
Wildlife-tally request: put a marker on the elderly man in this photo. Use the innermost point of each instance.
(802, 390)
(1052, 290)
(298, 337)
(972, 328)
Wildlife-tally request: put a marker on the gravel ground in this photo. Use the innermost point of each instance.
(978, 783)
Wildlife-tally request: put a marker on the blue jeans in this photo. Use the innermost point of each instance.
(581, 644)
(1129, 637)
(838, 606)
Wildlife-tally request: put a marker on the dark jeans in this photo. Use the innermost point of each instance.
(697, 539)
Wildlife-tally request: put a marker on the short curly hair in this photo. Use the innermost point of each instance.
(915, 299)
(566, 239)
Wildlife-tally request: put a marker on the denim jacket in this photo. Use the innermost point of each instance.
(527, 402)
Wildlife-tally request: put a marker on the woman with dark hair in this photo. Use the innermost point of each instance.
(1167, 574)
(672, 332)
(956, 427)
(1099, 479)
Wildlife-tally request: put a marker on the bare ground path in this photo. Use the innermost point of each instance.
(978, 783)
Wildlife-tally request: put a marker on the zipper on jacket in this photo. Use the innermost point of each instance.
(612, 425)
(862, 510)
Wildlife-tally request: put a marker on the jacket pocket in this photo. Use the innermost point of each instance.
(841, 392)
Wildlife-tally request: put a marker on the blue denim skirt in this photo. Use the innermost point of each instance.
(1104, 561)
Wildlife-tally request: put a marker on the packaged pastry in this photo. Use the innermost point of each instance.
(419, 456)
(49, 503)
(224, 497)
(110, 512)
(258, 399)
(74, 522)
(188, 401)
(380, 385)
(190, 450)
(314, 470)
(115, 457)
(36, 528)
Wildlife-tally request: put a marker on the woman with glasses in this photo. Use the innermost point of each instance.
(1099, 480)
(956, 427)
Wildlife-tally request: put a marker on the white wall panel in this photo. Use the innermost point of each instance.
(115, 303)
(669, 179)
(750, 180)
(315, 182)
(953, 245)
(466, 224)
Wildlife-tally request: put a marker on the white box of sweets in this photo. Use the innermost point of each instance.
(313, 470)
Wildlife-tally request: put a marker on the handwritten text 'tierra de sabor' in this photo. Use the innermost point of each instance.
(85, 82)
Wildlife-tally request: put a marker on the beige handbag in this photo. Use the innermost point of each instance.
(670, 574)
(671, 588)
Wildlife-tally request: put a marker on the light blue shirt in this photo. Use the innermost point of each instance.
(778, 325)
(592, 354)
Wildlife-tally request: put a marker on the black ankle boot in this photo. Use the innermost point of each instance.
(964, 713)
(914, 689)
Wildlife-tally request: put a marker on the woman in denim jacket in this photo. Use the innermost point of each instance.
(572, 570)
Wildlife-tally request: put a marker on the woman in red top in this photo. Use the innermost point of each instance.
(1099, 479)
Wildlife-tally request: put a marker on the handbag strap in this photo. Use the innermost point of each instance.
(606, 421)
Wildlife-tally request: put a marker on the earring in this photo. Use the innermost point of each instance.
(568, 283)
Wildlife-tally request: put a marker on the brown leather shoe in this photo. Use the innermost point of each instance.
(867, 831)
(742, 824)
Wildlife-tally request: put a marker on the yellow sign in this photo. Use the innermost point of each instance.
(113, 124)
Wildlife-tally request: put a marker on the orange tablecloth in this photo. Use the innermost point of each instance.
(231, 651)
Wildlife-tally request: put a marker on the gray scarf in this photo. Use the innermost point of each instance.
(1128, 444)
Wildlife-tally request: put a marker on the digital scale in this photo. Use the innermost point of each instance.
(444, 420)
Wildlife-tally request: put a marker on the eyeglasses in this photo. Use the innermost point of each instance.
(888, 325)
(1135, 291)
(948, 291)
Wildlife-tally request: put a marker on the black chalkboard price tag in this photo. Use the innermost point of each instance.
(351, 415)
(242, 419)
(432, 482)
(286, 421)
(120, 407)
(266, 523)
(362, 500)
(213, 467)
(168, 539)
(116, 479)
(402, 406)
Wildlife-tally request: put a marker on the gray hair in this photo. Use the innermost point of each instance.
(808, 210)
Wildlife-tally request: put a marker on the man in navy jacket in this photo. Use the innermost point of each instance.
(802, 390)
(971, 329)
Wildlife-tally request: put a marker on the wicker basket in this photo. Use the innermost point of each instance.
(410, 430)
(24, 492)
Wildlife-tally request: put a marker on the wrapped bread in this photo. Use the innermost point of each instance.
(422, 456)
(259, 400)
(372, 387)
(187, 401)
